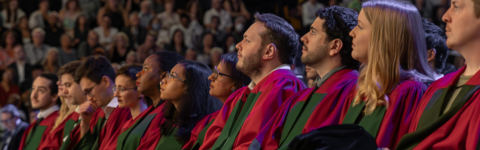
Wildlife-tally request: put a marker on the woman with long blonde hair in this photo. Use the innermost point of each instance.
(390, 42)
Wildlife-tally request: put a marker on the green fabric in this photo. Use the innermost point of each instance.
(453, 94)
(296, 119)
(432, 117)
(66, 133)
(371, 123)
(201, 136)
(169, 141)
(130, 138)
(229, 124)
(90, 141)
(35, 137)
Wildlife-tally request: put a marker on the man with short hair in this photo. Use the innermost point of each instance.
(44, 98)
(101, 118)
(15, 127)
(37, 50)
(21, 66)
(327, 48)
(264, 55)
(88, 47)
(136, 33)
(447, 116)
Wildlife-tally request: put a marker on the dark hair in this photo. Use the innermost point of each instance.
(167, 60)
(53, 84)
(172, 43)
(37, 66)
(130, 70)
(240, 79)
(94, 68)
(15, 14)
(194, 105)
(435, 39)
(280, 33)
(185, 16)
(339, 21)
(69, 68)
(87, 22)
(3, 43)
(12, 109)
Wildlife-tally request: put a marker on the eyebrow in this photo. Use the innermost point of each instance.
(312, 28)
(146, 65)
(42, 87)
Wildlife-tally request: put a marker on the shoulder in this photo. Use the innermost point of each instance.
(411, 85)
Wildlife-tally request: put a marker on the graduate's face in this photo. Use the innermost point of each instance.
(221, 87)
(462, 24)
(173, 87)
(72, 91)
(250, 49)
(315, 44)
(361, 38)
(40, 96)
(100, 94)
(149, 77)
(126, 92)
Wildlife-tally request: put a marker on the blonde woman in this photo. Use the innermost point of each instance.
(390, 43)
(120, 48)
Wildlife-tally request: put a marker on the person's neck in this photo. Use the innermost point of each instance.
(155, 96)
(20, 61)
(37, 45)
(470, 52)
(176, 103)
(223, 99)
(43, 11)
(105, 28)
(323, 67)
(66, 49)
(258, 75)
(81, 27)
(137, 109)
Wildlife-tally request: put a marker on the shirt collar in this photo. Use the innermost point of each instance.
(284, 66)
(319, 81)
(44, 114)
(110, 106)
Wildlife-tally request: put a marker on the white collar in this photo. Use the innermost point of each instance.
(44, 114)
(284, 66)
(110, 106)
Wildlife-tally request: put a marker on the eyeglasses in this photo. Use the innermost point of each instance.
(122, 89)
(89, 92)
(216, 73)
(169, 76)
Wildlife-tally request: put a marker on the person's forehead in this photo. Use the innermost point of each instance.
(256, 30)
(41, 81)
(66, 77)
(86, 83)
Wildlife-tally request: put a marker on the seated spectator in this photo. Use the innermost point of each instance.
(116, 12)
(169, 17)
(135, 32)
(11, 14)
(53, 30)
(8, 88)
(236, 8)
(239, 28)
(154, 25)
(307, 8)
(27, 84)
(37, 17)
(120, 49)
(213, 28)
(37, 50)
(87, 48)
(215, 56)
(195, 12)
(81, 29)
(208, 44)
(131, 58)
(20, 67)
(224, 16)
(187, 28)
(148, 47)
(106, 32)
(145, 14)
(177, 43)
(66, 53)
(158, 6)
(9, 40)
(23, 31)
(90, 7)
(229, 45)
(51, 64)
(69, 14)
(191, 54)
(15, 127)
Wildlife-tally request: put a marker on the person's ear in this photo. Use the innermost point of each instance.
(335, 47)
(431, 54)
(270, 51)
(107, 81)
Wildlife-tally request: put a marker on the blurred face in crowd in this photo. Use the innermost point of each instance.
(215, 22)
(52, 19)
(121, 42)
(149, 77)
(208, 40)
(72, 5)
(131, 59)
(155, 24)
(65, 41)
(71, 90)
(10, 39)
(19, 53)
(113, 3)
(40, 96)
(184, 21)
(92, 39)
(37, 37)
(82, 19)
(52, 56)
(221, 86)
(462, 24)
(150, 41)
(43, 5)
(145, 6)
(178, 37)
(361, 38)
(216, 4)
(126, 92)
(7, 75)
(216, 57)
(9, 121)
(169, 6)
(250, 49)
(134, 20)
(13, 5)
(106, 21)
(100, 93)
(315, 44)
(23, 25)
(172, 88)
(191, 55)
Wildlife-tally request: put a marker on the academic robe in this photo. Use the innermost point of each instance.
(198, 133)
(387, 124)
(458, 128)
(247, 111)
(152, 135)
(36, 134)
(99, 134)
(308, 110)
(59, 135)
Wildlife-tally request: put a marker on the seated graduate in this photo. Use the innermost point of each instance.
(101, 118)
(327, 48)
(128, 97)
(225, 80)
(44, 97)
(148, 84)
(390, 42)
(264, 55)
(185, 90)
(73, 97)
(448, 115)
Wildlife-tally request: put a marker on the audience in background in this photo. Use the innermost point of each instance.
(169, 17)
(53, 30)
(11, 14)
(136, 33)
(145, 13)
(37, 17)
(120, 49)
(66, 53)
(224, 16)
(21, 68)
(37, 50)
(15, 127)
(69, 15)
(23, 31)
(50, 63)
(8, 88)
(106, 32)
(80, 32)
(177, 43)
(116, 13)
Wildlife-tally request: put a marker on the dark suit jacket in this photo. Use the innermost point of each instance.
(27, 71)
(140, 38)
(16, 137)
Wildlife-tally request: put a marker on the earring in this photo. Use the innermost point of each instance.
(233, 90)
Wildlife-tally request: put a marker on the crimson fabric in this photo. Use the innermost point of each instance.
(152, 136)
(48, 121)
(55, 139)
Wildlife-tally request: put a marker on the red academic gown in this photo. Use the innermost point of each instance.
(56, 138)
(44, 126)
(387, 124)
(458, 128)
(198, 133)
(152, 135)
(308, 110)
(247, 111)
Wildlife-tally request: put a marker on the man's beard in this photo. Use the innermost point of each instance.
(312, 57)
(251, 64)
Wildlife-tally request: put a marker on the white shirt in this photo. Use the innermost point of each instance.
(110, 107)
(308, 17)
(168, 20)
(284, 66)
(44, 114)
(223, 16)
(103, 39)
(9, 139)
